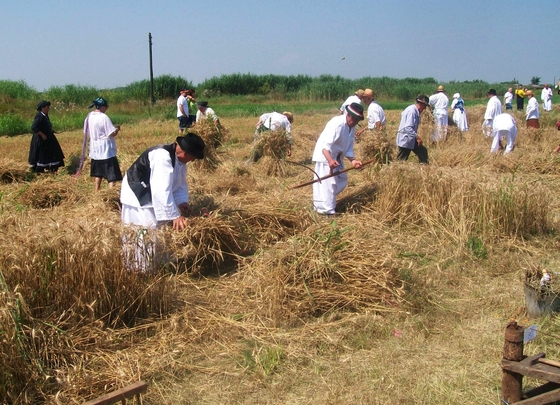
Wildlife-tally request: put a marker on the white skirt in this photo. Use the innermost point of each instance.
(460, 119)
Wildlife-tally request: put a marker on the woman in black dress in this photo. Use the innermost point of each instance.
(45, 153)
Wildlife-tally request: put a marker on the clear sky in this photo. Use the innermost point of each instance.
(105, 43)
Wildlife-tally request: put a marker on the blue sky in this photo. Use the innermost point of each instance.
(105, 43)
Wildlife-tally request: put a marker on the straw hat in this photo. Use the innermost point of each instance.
(440, 88)
(289, 116)
(368, 93)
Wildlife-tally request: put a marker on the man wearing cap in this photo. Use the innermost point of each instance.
(439, 103)
(546, 98)
(102, 145)
(532, 111)
(407, 135)
(154, 193)
(375, 114)
(503, 126)
(183, 110)
(204, 112)
(335, 143)
(355, 98)
(493, 108)
(271, 122)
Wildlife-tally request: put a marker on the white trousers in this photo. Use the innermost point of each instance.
(439, 133)
(325, 192)
(140, 245)
(509, 135)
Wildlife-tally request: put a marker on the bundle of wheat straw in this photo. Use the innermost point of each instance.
(374, 145)
(49, 191)
(213, 136)
(273, 146)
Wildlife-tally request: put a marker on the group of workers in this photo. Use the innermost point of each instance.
(154, 189)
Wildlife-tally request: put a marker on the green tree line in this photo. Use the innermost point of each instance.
(133, 101)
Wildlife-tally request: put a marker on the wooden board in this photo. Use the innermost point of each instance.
(120, 395)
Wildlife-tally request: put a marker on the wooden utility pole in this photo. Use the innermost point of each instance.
(513, 351)
(151, 70)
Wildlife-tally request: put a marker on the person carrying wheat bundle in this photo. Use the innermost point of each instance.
(268, 124)
(155, 193)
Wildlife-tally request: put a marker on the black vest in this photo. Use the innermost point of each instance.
(138, 175)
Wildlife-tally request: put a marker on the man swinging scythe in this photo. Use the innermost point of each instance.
(335, 143)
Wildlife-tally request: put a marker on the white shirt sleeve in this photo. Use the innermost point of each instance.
(161, 183)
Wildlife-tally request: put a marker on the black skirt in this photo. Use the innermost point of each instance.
(45, 155)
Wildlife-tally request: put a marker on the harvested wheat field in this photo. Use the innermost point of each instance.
(401, 298)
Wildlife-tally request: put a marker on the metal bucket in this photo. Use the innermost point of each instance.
(541, 301)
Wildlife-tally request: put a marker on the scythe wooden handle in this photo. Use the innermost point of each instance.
(330, 175)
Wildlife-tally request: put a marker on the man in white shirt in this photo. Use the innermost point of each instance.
(183, 110)
(439, 103)
(355, 98)
(493, 108)
(155, 193)
(532, 111)
(204, 112)
(273, 121)
(102, 145)
(546, 98)
(335, 143)
(508, 99)
(375, 114)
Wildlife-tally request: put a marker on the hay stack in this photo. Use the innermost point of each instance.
(48, 192)
(273, 146)
(13, 172)
(213, 136)
(207, 242)
(374, 145)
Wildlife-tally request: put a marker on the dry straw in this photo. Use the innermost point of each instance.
(375, 145)
(269, 292)
(213, 136)
(273, 146)
(13, 172)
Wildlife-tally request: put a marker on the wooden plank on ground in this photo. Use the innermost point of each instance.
(120, 395)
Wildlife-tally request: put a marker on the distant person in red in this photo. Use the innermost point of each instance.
(45, 153)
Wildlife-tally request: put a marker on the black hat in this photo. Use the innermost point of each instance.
(202, 103)
(491, 92)
(192, 144)
(99, 102)
(423, 99)
(42, 104)
(355, 110)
